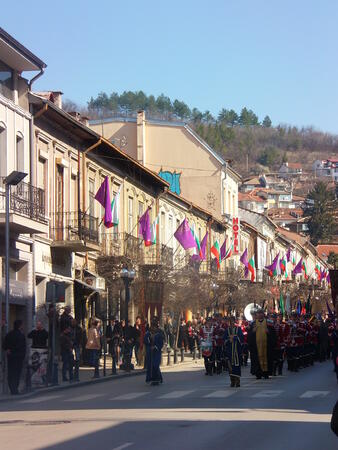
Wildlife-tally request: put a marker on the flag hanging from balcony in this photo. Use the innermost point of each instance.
(228, 251)
(251, 268)
(281, 304)
(197, 250)
(154, 228)
(318, 272)
(244, 260)
(288, 255)
(145, 228)
(215, 250)
(103, 197)
(115, 209)
(273, 268)
(223, 249)
(322, 274)
(298, 269)
(184, 235)
(283, 263)
(305, 270)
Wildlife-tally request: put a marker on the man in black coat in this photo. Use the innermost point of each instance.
(15, 347)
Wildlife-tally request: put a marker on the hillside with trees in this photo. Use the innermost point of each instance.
(252, 143)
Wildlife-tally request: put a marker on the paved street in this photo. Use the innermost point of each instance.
(189, 411)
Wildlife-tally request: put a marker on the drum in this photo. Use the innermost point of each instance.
(206, 348)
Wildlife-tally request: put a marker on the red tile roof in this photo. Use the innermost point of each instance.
(325, 249)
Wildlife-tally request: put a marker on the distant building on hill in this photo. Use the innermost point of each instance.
(290, 169)
(326, 168)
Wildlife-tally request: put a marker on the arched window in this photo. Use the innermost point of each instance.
(3, 150)
(20, 153)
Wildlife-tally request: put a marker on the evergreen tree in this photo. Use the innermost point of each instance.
(266, 122)
(181, 109)
(320, 209)
(248, 118)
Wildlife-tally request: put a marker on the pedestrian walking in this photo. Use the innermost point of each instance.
(113, 336)
(15, 348)
(153, 341)
(93, 346)
(233, 341)
(66, 347)
(77, 338)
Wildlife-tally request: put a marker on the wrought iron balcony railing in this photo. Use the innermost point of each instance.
(25, 200)
(125, 244)
(74, 226)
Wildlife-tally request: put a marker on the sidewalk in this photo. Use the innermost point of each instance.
(86, 377)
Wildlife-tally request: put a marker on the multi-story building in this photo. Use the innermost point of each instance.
(326, 168)
(27, 214)
(174, 151)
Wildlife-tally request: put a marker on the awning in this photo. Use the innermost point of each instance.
(86, 288)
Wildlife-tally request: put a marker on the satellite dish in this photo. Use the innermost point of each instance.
(247, 311)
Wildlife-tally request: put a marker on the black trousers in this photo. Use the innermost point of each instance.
(14, 373)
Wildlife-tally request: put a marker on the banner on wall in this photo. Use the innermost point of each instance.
(235, 235)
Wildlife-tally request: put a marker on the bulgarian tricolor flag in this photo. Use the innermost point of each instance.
(197, 249)
(115, 210)
(305, 270)
(154, 230)
(283, 264)
(318, 272)
(251, 268)
(215, 250)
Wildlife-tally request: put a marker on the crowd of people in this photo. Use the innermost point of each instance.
(226, 344)
(269, 340)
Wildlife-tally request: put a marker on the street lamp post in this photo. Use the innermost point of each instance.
(13, 179)
(127, 276)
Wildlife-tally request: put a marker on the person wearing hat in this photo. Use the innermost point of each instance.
(153, 341)
(261, 339)
(233, 341)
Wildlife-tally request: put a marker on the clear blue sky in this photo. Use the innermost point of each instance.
(276, 57)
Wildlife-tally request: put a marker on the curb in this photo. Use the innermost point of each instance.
(62, 387)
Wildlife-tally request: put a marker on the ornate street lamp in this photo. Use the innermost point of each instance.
(127, 275)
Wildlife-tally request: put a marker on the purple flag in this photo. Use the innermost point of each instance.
(273, 267)
(288, 255)
(223, 249)
(203, 249)
(298, 268)
(145, 228)
(328, 279)
(103, 197)
(184, 235)
(322, 274)
(244, 260)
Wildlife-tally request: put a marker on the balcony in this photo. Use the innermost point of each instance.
(28, 202)
(77, 232)
(125, 244)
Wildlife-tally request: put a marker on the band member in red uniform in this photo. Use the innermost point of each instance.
(245, 349)
(219, 347)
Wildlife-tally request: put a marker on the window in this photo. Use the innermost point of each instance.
(6, 81)
(170, 231)
(20, 155)
(229, 203)
(140, 209)
(3, 150)
(91, 197)
(162, 229)
(130, 214)
(233, 204)
(43, 178)
(73, 194)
